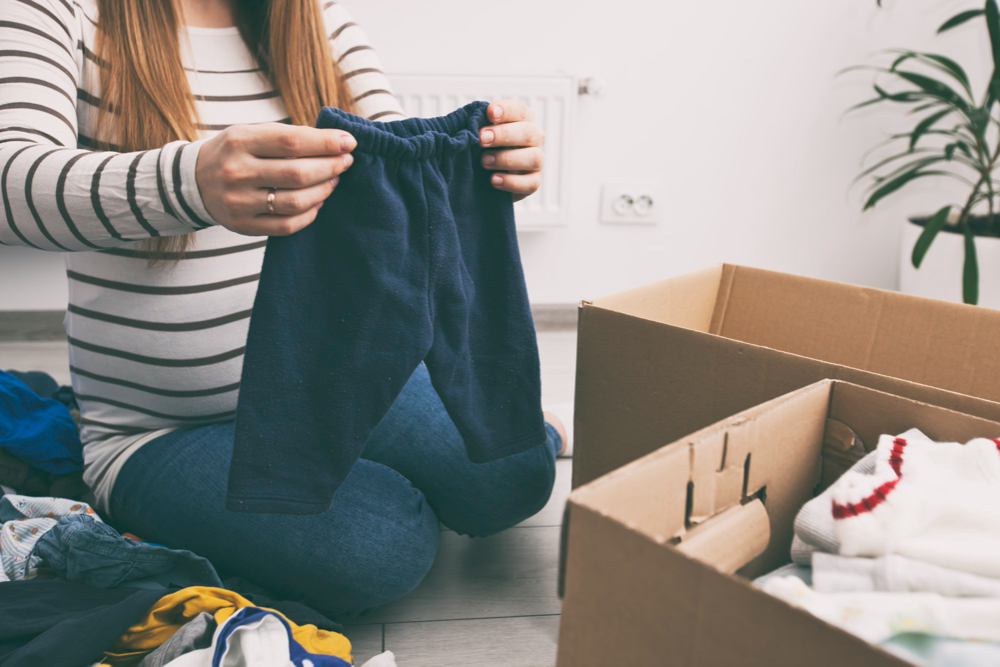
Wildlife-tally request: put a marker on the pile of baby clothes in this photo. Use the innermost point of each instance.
(76, 593)
(904, 551)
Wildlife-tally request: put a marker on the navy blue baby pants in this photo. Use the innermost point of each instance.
(412, 258)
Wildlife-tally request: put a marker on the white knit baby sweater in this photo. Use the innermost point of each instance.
(938, 502)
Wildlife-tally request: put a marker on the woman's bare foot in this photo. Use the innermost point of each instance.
(560, 429)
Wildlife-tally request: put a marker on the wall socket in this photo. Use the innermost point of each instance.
(630, 203)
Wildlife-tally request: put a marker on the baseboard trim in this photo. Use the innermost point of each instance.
(555, 316)
(32, 325)
(48, 324)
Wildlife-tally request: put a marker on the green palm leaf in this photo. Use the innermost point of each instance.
(931, 229)
(993, 23)
(935, 88)
(942, 63)
(970, 270)
(898, 182)
(958, 19)
(925, 125)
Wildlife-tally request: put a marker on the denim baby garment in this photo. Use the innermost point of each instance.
(413, 258)
(82, 550)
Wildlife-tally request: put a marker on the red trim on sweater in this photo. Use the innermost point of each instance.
(879, 495)
(867, 504)
(896, 458)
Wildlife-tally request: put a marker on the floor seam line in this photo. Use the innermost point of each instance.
(448, 620)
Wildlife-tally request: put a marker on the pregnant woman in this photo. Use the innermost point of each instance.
(144, 138)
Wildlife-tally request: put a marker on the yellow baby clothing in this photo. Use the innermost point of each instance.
(175, 609)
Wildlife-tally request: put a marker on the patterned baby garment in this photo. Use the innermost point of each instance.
(25, 519)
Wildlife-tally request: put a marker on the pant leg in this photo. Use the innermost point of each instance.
(374, 544)
(342, 315)
(339, 323)
(418, 439)
(484, 356)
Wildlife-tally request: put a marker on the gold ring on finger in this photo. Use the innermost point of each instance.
(270, 200)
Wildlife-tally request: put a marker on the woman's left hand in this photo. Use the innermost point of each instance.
(515, 143)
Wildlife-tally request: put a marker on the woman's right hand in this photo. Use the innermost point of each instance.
(238, 167)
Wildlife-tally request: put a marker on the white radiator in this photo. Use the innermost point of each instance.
(552, 98)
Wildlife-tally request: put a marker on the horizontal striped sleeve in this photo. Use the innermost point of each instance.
(60, 197)
(360, 66)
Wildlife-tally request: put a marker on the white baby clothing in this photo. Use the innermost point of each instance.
(878, 616)
(386, 659)
(938, 502)
(25, 519)
(896, 574)
(814, 526)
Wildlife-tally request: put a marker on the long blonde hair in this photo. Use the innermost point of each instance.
(145, 99)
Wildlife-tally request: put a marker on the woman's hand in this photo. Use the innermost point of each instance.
(238, 168)
(518, 142)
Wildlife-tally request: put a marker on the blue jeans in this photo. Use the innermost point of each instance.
(378, 539)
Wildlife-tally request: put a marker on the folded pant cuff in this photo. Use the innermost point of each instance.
(516, 446)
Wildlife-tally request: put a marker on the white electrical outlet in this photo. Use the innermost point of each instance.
(630, 203)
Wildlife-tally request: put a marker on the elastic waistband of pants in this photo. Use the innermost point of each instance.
(411, 138)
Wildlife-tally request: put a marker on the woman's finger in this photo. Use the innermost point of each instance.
(298, 173)
(509, 111)
(277, 225)
(521, 184)
(270, 140)
(514, 159)
(293, 202)
(511, 134)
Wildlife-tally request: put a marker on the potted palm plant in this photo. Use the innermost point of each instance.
(954, 136)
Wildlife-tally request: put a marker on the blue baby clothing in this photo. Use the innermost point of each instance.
(26, 519)
(46, 386)
(413, 258)
(86, 551)
(38, 431)
(50, 623)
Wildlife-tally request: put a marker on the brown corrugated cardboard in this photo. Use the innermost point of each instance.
(650, 546)
(663, 360)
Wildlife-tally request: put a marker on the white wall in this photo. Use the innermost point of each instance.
(31, 279)
(731, 105)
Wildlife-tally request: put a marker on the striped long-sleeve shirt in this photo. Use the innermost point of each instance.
(151, 349)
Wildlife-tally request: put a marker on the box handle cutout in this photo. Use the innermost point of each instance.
(760, 495)
(725, 450)
(688, 504)
(746, 476)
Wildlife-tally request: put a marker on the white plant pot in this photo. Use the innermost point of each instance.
(940, 274)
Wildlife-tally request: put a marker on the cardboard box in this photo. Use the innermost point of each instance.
(650, 547)
(664, 360)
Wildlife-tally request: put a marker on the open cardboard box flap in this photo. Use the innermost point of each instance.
(665, 359)
(648, 560)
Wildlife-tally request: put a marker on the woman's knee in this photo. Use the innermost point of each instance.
(519, 489)
(377, 560)
(386, 567)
